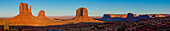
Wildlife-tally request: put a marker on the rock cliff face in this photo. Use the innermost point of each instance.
(25, 17)
(42, 16)
(82, 15)
(115, 15)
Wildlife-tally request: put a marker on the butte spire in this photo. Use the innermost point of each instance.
(25, 17)
(42, 16)
(82, 16)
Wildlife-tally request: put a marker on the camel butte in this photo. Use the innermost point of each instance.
(25, 18)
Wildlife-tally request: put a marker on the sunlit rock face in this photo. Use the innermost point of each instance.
(156, 15)
(160, 16)
(23, 9)
(82, 14)
(42, 16)
(25, 18)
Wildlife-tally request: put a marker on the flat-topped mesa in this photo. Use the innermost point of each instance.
(114, 16)
(82, 14)
(42, 16)
(129, 15)
(156, 15)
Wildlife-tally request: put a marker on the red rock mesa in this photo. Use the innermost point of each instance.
(25, 17)
(82, 15)
(42, 16)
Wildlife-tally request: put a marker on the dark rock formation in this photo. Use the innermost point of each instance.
(143, 16)
(82, 15)
(130, 15)
(106, 16)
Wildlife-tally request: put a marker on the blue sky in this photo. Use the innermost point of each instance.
(10, 8)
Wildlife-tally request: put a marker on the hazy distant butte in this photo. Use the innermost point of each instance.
(25, 17)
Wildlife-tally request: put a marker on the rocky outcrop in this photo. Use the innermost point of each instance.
(130, 15)
(25, 18)
(156, 15)
(107, 16)
(42, 16)
(143, 16)
(114, 16)
(82, 15)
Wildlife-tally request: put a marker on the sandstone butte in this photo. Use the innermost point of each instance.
(82, 16)
(25, 18)
(41, 15)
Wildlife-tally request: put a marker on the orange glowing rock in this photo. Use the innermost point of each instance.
(160, 16)
(42, 16)
(156, 15)
(25, 17)
(114, 15)
(82, 16)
